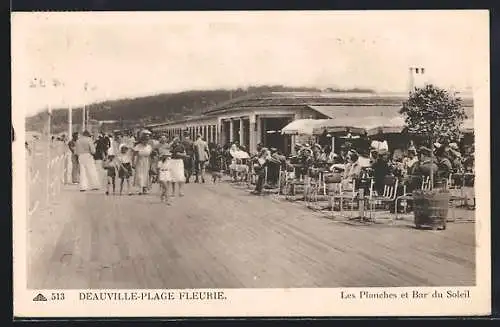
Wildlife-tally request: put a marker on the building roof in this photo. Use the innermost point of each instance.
(356, 112)
(186, 120)
(330, 104)
(314, 99)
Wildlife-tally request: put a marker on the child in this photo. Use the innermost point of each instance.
(111, 166)
(164, 176)
(125, 168)
(217, 169)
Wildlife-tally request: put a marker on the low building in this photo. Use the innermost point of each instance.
(259, 118)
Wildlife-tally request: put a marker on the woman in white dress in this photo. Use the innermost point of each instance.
(141, 160)
(85, 150)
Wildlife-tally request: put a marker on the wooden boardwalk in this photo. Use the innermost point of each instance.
(218, 236)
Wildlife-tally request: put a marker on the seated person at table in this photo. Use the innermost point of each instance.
(396, 167)
(330, 155)
(455, 157)
(352, 169)
(409, 160)
(304, 160)
(317, 154)
(342, 158)
(445, 167)
(425, 166)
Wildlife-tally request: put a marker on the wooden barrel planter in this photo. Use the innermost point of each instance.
(431, 208)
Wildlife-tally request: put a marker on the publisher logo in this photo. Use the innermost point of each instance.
(39, 297)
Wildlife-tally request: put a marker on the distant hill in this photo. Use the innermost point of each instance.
(157, 108)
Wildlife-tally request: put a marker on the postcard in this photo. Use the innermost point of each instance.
(209, 164)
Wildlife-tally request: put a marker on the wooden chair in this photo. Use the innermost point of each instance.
(388, 195)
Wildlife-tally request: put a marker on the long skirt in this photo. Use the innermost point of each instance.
(141, 178)
(176, 168)
(88, 172)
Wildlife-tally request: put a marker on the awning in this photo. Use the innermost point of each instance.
(302, 126)
(353, 125)
(387, 126)
(358, 111)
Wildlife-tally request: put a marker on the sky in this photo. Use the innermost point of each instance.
(125, 55)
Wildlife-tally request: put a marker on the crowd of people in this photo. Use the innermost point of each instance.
(123, 163)
(137, 162)
(372, 162)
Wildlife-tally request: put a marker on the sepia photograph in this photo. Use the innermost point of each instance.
(211, 152)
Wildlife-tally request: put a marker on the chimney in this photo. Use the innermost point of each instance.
(416, 78)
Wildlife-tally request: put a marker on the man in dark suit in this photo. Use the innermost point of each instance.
(187, 144)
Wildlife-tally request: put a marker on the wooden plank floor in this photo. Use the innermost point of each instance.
(218, 236)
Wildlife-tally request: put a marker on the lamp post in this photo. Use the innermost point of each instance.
(86, 111)
(37, 83)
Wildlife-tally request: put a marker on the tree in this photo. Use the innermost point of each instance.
(433, 115)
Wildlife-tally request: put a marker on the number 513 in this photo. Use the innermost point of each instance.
(57, 296)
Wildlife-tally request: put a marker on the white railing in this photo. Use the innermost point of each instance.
(47, 165)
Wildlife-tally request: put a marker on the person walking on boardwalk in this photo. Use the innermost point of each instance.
(85, 150)
(176, 166)
(75, 167)
(165, 176)
(201, 157)
(141, 160)
(188, 160)
(260, 164)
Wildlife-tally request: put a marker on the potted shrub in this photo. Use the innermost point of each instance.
(432, 115)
